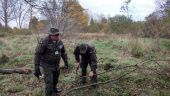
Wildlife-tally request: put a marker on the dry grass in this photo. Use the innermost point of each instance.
(112, 49)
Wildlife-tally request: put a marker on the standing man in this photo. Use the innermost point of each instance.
(86, 54)
(47, 55)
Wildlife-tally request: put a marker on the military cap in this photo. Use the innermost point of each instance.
(54, 31)
(83, 48)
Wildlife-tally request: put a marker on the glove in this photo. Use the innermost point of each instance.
(37, 72)
(77, 67)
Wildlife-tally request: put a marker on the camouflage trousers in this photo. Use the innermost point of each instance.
(51, 80)
(84, 64)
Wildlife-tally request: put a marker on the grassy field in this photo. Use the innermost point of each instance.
(114, 54)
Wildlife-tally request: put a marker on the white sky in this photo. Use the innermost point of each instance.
(139, 9)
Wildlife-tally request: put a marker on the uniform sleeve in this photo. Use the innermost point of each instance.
(64, 56)
(39, 51)
(76, 54)
(93, 58)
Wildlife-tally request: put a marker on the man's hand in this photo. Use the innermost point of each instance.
(37, 72)
(77, 66)
(91, 74)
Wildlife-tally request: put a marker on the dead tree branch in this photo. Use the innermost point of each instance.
(100, 83)
(16, 70)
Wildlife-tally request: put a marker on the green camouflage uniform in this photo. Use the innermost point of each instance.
(47, 55)
(89, 57)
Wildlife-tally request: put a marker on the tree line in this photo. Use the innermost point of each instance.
(69, 15)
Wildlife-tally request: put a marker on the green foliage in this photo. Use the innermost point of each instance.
(109, 53)
(118, 24)
(93, 27)
(136, 48)
(104, 78)
(166, 44)
(4, 30)
(14, 89)
(139, 79)
(128, 62)
(37, 92)
(108, 66)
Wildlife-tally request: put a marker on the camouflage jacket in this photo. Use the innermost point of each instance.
(48, 54)
(90, 55)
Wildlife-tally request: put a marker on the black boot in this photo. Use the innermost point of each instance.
(58, 90)
(94, 81)
(83, 81)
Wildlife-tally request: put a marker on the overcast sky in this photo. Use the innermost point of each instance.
(139, 9)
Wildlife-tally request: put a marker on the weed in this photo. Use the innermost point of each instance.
(4, 59)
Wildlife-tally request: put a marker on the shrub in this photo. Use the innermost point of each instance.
(4, 58)
(2, 34)
(8, 29)
(165, 44)
(136, 48)
(16, 30)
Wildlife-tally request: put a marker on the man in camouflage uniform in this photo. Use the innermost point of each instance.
(47, 55)
(86, 54)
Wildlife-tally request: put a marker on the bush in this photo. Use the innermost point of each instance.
(4, 59)
(104, 78)
(108, 66)
(136, 48)
(8, 29)
(165, 44)
(16, 30)
(21, 31)
(2, 34)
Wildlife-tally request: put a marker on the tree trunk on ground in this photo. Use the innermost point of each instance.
(16, 70)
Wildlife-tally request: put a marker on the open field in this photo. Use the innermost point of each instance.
(114, 52)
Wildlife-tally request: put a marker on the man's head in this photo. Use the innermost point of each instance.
(83, 48)
(54, 34)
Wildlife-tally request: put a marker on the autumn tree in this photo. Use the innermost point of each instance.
(76, 13)
(93, 26)
(63, 14)
(33, 23)
(120, 23)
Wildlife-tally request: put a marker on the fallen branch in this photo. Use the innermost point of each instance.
(120, 68)
(112, 80)
(136, 66)
(16, 70)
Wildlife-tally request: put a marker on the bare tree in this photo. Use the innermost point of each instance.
(21, 13)
(57, 12)
(7, 10)
(125, 7)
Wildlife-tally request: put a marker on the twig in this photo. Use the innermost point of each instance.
(118, 67)
(112, 80)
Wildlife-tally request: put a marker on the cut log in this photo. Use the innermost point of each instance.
(16, 70)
